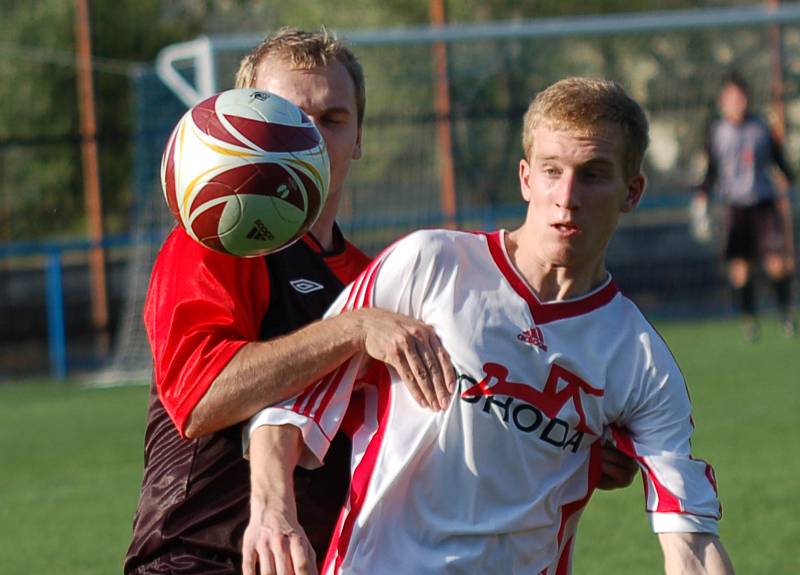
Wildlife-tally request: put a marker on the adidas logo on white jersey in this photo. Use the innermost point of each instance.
(533, 336)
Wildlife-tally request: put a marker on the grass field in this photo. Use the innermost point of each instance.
(71, 465)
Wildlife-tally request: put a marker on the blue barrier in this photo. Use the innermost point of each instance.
(53, 250)
(56, 335)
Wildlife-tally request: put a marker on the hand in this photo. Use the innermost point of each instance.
(277, 544)
(414, 350)
(699, 219)
(618, 469)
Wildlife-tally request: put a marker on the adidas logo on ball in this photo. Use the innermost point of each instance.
(260, 232)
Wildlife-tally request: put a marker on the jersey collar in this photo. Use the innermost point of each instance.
(549, 311)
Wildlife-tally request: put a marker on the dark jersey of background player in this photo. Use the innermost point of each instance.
(742, 152)
(740, 159)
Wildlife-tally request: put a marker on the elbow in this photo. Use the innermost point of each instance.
(191, 432)
(195, 427)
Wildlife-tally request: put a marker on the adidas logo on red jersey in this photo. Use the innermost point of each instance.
(533, 336)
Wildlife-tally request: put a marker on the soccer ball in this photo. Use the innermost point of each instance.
(245, 172)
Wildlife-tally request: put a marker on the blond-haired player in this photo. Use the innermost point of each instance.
(550, 358)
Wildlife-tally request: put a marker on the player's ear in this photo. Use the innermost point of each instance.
(525, 179)
(357, 148)
(634, 194)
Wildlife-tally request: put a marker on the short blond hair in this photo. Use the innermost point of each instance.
(304, 51)
(590, 105)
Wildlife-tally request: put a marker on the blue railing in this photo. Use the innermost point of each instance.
(53, 251)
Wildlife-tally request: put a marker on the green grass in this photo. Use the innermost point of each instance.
(746, 400)
(71, 465)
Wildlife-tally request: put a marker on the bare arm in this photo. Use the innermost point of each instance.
(694, 554)
(263, 373)
(274, 539)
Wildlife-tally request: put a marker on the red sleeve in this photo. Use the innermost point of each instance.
(201, 308)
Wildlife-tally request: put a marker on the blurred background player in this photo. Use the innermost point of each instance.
(550, 355)
(742, 152)
(231, 335)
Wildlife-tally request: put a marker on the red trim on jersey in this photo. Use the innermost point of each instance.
(564, 560)
(568, 510)
(363, 285)
(363, 473)
(330, 392)
(667, 501)
(302, 397)
(353, 420)
(369, 272)
(545, 312)
(306, 400)
(712, 479)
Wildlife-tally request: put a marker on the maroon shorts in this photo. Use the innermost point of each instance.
(754, 232)
(190, 561)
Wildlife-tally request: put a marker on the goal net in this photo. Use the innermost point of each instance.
(671, 62)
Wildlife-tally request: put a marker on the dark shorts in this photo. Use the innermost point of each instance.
(187, 561)
(754, 232)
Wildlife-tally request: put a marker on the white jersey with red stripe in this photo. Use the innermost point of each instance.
(496, 483)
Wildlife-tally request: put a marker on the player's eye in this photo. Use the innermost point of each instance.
(334, 119)
(551, 171)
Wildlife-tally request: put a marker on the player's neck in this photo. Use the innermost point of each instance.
(551, 281)
(322, 230)
(559, 284)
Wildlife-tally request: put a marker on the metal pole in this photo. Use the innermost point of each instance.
(91, 176)
(443, 128)
(55, 316)
(777, 84)
(779, 124)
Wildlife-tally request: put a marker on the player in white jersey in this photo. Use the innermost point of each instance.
(550, 357)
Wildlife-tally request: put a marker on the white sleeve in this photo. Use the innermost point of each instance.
(319, 410)
(680, 491)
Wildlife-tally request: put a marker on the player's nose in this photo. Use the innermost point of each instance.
(566, 192)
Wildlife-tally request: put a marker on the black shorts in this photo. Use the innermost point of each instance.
(754, 232)
(190, 561)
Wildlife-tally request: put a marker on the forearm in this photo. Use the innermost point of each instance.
(694, 554)
(265, 372)
(273, 537)
(274, 453)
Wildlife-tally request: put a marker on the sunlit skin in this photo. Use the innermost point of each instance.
(576, 190)
(328, 96)
(733, 103)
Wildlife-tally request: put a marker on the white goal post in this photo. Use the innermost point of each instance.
(199, 54)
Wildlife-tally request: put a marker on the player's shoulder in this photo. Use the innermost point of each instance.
(438, 245)
(642, 332)
(181, 254)
(441, 239)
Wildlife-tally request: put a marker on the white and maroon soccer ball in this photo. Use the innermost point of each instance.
(245, 172)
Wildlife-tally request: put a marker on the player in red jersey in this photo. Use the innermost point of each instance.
(231, 335)
(551, 358)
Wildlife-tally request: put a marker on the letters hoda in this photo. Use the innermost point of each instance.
(530, 410)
